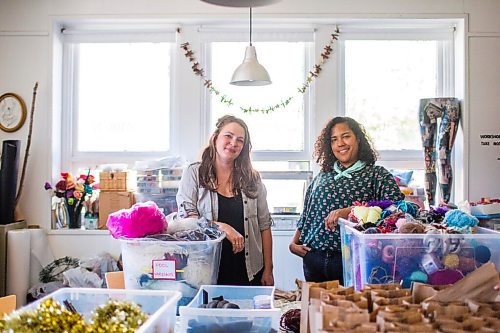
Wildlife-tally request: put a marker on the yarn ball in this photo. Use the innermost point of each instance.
(467, 252)
(382, 203)
(411, 247)
(466, 265)
(419, 276)
(372, 230)
(453, 244)
(407, 207)
(482, 253)
(412, 228)
(400, 222)
(440, 210)
(444, 277)
(457, 218)
(451, 261)
(142, 219)
(388, 253)
(366, 214)
(373, 249)
(433, 240)
(405, 266)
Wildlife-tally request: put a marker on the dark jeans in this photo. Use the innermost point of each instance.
(321, 266)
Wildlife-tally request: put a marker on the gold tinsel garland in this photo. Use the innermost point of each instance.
(50, 316)
(224, 99)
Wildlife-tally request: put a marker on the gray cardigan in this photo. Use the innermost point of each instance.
(192, 199)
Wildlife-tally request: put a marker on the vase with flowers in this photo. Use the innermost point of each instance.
(72, 191)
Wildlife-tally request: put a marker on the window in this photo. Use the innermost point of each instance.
(116, 102)
(282, 134)
(385, 74)
(387, 78)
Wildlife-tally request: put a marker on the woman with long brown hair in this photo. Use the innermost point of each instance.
(225, 188)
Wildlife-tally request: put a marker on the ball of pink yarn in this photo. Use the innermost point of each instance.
(140, 220)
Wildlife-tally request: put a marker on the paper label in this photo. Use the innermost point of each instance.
(163, 269)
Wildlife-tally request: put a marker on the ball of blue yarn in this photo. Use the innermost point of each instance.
(459, 219)
(482, 254)
(407, 207)
(419, 276)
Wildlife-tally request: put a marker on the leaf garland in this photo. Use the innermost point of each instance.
(225, 99)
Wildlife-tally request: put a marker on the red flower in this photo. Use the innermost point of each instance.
(61, 185)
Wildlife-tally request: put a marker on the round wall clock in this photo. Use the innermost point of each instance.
(12, 112)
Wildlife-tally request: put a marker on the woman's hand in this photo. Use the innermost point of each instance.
(298, 249)
(332, 218)
(233, 236)
(267, 277)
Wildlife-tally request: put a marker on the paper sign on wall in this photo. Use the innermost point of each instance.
(163, 269)
(490, 140)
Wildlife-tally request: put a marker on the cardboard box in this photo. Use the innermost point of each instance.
(110, 202)
(114, 181)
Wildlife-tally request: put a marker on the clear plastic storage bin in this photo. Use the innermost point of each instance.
(160, 305)
(170, 265)
(436, 259)
(243, 320)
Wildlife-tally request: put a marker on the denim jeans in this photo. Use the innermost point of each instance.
(320, 266)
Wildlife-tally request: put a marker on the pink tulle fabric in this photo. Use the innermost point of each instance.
(140, 220)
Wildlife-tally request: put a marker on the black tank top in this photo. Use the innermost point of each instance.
(232, 268)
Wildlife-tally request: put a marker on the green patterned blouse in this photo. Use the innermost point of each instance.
(325, 194)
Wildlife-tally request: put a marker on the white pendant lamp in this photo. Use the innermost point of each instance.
(241, 3)
(250, 72)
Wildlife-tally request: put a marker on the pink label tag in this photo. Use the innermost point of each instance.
(163, 269)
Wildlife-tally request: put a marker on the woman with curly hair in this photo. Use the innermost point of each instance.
(225, 188)
(348, 174)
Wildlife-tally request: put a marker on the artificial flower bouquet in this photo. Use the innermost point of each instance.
(69, 196)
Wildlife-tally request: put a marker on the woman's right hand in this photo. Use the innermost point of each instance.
(331, 220)
(298, 249)
(233, 236)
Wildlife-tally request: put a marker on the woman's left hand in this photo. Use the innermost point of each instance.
(267, 278)
(234, 237)
(332, 218)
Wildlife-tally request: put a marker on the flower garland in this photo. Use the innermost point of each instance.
(224, 99)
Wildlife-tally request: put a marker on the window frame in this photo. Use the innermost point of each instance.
(269, 32)
(443, 33)
(71, 35)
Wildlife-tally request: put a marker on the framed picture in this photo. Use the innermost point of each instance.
(12, 112)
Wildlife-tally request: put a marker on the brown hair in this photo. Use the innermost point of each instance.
(323, 148)
(244, 177)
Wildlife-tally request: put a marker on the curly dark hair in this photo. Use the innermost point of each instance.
(244, 177)
(323, 149)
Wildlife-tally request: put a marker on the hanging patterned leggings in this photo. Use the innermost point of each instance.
(448, 109)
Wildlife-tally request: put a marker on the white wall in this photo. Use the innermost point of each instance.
(26, 57)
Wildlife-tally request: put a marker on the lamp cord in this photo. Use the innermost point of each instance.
(250, 25)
